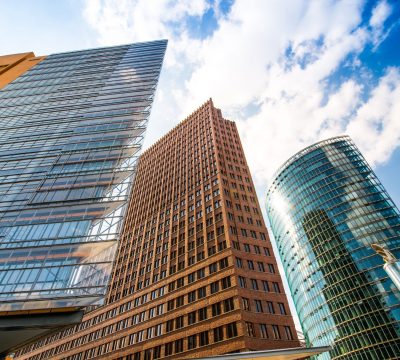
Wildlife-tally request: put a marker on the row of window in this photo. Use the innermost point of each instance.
(247, 248)
(261, 266)
(261, 306)
(163, 247)
(158, 310)
(174, 347)
(178, 266)
(254, 284)
(265, 331)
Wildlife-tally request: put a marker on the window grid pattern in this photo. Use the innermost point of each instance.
(175, 276)
(326, 208)
(71, 131)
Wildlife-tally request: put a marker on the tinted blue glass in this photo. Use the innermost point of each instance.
(71, 132)
(326, 207)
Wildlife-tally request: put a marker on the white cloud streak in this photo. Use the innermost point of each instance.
(277, 58)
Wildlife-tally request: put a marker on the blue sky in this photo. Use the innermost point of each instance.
(290, 73)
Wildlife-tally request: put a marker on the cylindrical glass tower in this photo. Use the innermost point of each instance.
(326, 207)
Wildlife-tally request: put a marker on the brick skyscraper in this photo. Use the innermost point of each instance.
(195, 274)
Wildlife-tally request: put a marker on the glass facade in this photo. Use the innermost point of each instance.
(71, 132)
(326, 207)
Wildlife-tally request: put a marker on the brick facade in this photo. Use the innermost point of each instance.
(195, 273)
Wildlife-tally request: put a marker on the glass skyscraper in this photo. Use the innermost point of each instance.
(71, 130)
(326, 207)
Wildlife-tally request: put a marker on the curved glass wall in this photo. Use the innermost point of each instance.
(326, 207)
(71, 129)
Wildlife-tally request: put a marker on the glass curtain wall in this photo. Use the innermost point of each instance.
(326, 207)
(71, 129)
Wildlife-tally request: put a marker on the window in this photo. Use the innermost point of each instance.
(261, 266)
(239, 262)
(288, 333)
(212, 268)
(236, 245)
(158, 331)
(267, 252)
(270, 307)
(246, 304)
(276, 332)
(254, 284)
(147, 354)
(214, 287)
(216, 309)
(200, 274)
(282, 309)
(218, 334)
(242, 281)
(201, 293)
(231, 330)
(202, 314)
(168, 348)
(152, 312)
(265, 286)
(191, 317)
(204, 338)
(192, 342)
(178, 346)
(264, 331)
(170, 326)
(157, 352)
(222, 245)
(276, 287)
(139, 336)
(191, 277)
(250, 329)
(180, 282)
(247, 248)
(271, 268)
(223, 263)
(179, 301)
(192, 296)
(259, 307)
(226, 282)
(228, 305)
(160, 309)
(179, 322)
(211, 251)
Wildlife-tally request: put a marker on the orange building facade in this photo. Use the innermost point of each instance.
(195, 273)
(12, 66)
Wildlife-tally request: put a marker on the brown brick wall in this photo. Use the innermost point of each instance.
(193, 213)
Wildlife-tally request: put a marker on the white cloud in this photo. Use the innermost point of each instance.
(119, 21)
(379, 15)
(376, 126)
(274, 57)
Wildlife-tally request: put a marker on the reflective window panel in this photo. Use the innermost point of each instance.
(71, 129)
(326, 207)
